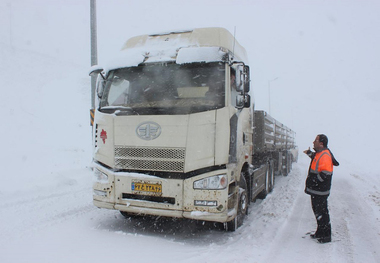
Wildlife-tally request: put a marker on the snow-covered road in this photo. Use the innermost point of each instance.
(46, 210)
(64, 226)
(355, 226)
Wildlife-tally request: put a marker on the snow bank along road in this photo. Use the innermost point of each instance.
(62, 225)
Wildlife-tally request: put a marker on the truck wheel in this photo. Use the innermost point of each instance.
(285, 165)
(290, 163)
(242, 208)
(243, 204)
(266, 190)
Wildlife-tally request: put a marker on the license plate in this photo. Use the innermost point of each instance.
(146, 187)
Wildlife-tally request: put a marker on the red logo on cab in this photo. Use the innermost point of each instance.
(103, 135)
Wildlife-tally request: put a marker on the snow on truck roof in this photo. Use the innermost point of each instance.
(186, 46)
(200, 37)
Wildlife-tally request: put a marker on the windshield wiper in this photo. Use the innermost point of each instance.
(118, 110)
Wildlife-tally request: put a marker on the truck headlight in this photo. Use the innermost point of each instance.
(100, 176)
(216, 182)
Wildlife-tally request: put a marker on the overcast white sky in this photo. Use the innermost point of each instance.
(324, 54)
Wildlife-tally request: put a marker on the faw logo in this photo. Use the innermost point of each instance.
(148, 130)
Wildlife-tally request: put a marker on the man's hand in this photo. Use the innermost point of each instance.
(306, 151)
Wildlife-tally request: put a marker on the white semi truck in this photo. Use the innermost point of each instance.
(176, 134)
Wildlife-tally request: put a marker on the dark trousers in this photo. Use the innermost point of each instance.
(321, 212)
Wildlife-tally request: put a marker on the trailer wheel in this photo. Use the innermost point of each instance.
(242, 208)
(285, 164)
(272, 178)
(290, 162)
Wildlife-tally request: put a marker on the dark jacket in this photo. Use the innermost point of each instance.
(318, 181)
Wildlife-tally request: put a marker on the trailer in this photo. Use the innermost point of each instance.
(176, 135)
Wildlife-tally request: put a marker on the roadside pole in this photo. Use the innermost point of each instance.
(94, 55)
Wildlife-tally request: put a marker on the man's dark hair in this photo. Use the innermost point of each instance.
(323, 139)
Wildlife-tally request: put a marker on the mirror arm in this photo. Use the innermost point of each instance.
(103, 77)
(97, 70)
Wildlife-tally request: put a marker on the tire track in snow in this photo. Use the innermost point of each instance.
(21, 216)
(24, 199)
(355, 223)
(292, 240)
(267, 219)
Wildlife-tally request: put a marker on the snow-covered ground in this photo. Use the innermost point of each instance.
(46, 211)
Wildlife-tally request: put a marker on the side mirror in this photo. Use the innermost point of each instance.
(95, 70)
(241, 72)
(243, 101)
(101, 81)
(240, 102)
(246, 79)
(247, 101)
(239, 78)
(246, 87)
(100, 85)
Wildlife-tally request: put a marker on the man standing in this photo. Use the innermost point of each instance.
(318, 184)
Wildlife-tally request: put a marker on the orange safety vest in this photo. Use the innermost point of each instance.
(322, 162)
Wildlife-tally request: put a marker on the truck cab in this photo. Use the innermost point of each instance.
(173, 126)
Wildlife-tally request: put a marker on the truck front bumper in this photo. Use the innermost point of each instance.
(195, 215)
(178, 198)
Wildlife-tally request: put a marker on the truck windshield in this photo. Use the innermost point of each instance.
(165, 89)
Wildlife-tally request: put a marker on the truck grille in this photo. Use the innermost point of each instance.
(150, 159)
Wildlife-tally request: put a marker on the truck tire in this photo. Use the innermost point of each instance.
(242, 208)
(290, 162)
(285, 164)
(266, 189)
(272, 177)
